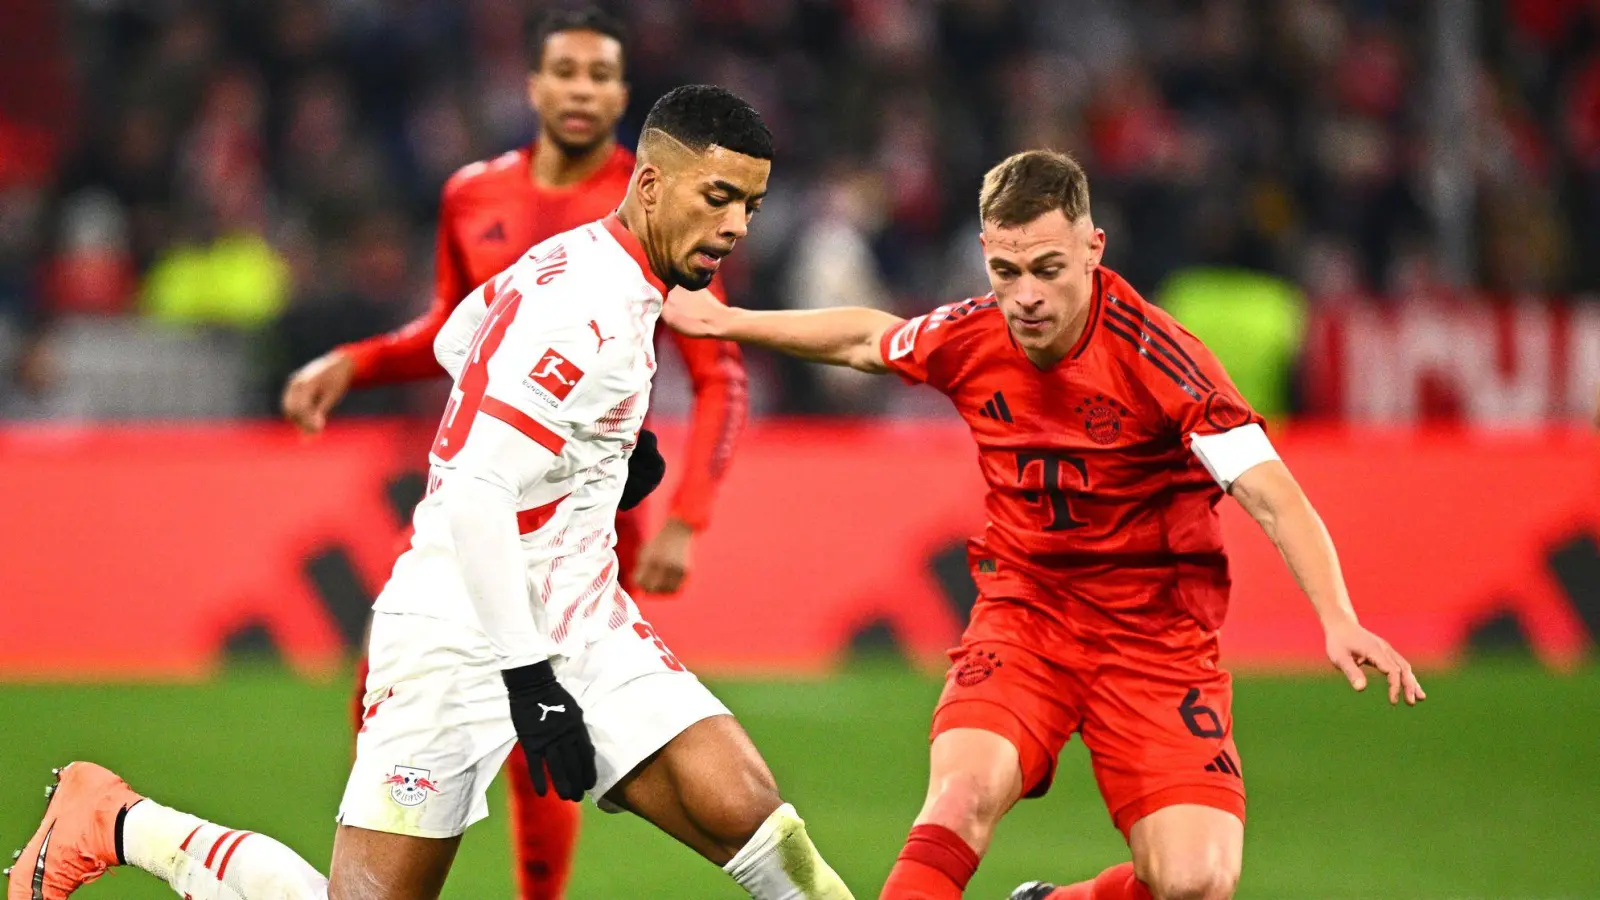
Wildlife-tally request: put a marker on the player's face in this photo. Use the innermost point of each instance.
(701, 205)
(578, 90)
(1042, 272)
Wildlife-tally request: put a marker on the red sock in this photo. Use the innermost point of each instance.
(544, 832)
(936, 864)
(1115, 883)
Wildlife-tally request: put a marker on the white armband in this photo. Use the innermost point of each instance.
(1233, 452)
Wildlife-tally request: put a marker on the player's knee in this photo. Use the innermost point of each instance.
(736, 812)
(968, 804)
(1192, 878)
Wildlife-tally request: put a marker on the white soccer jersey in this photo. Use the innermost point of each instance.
(552, 361)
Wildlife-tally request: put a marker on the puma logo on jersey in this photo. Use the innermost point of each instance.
(553, 377)
(547, 710)
(595, 326)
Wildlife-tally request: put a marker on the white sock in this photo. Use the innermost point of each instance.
(203, 861)
(781, 863)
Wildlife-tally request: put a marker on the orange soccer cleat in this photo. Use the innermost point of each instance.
(77, 841)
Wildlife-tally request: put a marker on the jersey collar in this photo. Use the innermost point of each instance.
(628, 242)
(1095, 300)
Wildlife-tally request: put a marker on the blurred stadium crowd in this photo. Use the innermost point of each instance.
(196, 197)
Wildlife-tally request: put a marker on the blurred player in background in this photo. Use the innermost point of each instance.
(491, 212)
(505, 623)
(1107, 435)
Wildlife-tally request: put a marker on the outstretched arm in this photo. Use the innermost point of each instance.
(1274, 499)
(846, 336)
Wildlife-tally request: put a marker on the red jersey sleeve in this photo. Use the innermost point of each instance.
(406, 354)
(721, 407)
(1189, 384)
(911, 349)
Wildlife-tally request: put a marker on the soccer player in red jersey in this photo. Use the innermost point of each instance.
(490, 214)
(1107, 434)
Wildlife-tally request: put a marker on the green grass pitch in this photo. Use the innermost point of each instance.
(1489, 790)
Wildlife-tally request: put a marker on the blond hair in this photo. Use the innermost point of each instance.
(1027, 185)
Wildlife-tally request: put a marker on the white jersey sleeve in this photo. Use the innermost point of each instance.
(451, 344)
(480, 503)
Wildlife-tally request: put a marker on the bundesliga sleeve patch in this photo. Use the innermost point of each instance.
(553, 378)
(902, 342)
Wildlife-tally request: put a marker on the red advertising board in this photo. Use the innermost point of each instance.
(143, 552)
(1464, 358)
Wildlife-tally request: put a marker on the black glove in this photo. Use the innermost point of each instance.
(550, 728)
(646, 468)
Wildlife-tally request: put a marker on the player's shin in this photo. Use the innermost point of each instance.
(203, 861)
(780, 863)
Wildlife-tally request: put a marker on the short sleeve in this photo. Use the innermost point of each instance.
(912, 349)
(905, 351)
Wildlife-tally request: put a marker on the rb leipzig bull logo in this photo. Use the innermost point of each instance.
(409, 787)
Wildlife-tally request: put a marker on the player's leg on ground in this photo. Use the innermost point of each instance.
(205, 861)
(974, 779)
(544, 834)
(95, 821)
(710, 788)
(211, 862)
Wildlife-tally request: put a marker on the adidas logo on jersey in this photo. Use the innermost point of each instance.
(495, 232)
(996, 408)
(1224, 763)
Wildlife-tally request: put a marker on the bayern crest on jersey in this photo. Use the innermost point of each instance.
(1102, 418)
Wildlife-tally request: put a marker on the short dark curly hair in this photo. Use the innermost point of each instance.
(555, 20)
(700, 115)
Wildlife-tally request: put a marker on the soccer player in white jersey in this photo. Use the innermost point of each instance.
(504, 620)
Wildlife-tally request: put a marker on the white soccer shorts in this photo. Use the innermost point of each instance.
(438, 725)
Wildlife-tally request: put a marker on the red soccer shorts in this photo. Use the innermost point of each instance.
(1156, 716)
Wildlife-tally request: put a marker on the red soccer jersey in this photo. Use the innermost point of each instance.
(1094, 495)
(491, 213)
